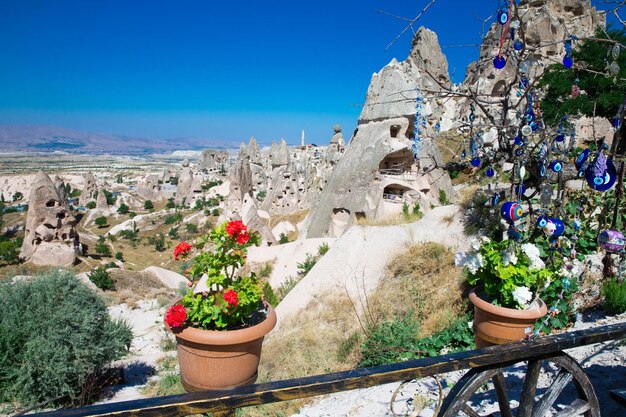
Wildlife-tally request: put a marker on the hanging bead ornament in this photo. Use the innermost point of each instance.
(416, 144)
(611, 241)
(499, 61)
(601, 173)
(567, 60)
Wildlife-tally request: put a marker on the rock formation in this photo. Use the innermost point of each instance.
(101, 202)
(89, 190)
(378, 171)
(213, 160)
(189, 187)
(241, 201)
(50, 235)
(149, 188)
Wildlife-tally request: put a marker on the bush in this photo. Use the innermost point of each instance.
(9, 252)
(148, 205)
(322, 249)
(173, 233)
(191, 228)
(131, 215)
(307, 265)
(101, 277)
(215, 212)
(283, 238)
(123, 209)
(443, 198)
(55, 337)
(91, 205)
(170, 203)
(101, 221)
(614, 296)
(119, 256)
(102, 248)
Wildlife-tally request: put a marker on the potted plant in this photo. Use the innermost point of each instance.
(221, 322)
(508, 279)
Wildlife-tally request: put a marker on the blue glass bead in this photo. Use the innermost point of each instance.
(518, 45)
(568, 61)
(475, 162)
(499, 62)
(490, 172)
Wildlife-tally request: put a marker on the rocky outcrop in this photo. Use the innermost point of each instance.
(149, 188)
(279, 154)
(213, 160)
(50, 235)
(101, 202)
(88, 192)
(378, 171)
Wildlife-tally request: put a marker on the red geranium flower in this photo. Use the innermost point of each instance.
(234, 228)
(176, 315)
(231, 298)
(182, 250)
(243, 238)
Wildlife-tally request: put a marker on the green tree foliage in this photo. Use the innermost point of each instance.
(91, 205)
(123, 209)
(9, 252)
(605, 92)
(119, 256)
(170, 203)
(100, 221)
(102, 248)
(191, 228)
(158, 241)
(55, 336)
(148, 205)
(101, 277)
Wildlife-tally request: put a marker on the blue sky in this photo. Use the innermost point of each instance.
(223, 70)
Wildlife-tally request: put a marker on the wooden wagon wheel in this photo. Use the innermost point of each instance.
(565, 391)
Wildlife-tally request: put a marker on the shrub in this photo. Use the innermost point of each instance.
(131, 215)
(158, 241)
(307, 265)
(261, 195)
(322, 249)
(123, 209)
(101, 277)
(148, 205)
(55, 338)
(101, 221)
(215, 212)
(173, 233)
(91, 205)
(102, 248)
(269, 295)
(9, 252)
(614, 296)
(170, 203)
(443, 198)
(266, 271)
(283, 238)
(191, 228)
(119, 256)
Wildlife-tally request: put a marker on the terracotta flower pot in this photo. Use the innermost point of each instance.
(495, 325)
(222, 359)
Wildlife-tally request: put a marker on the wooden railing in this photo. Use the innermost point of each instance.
(223, 403)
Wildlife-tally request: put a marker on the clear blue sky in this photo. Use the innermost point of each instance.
(212, 69)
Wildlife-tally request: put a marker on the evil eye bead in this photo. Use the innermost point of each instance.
(490, 172)
(560, 137)
(519, 141)
(518, 45)
(527, 130)
(602, 182)
(503, 17)
(568, 61)
(560, 227)
(549, 228)
(530, 116)
(582, 158)
(499, 62)
(611, 240)
(495, 199)
(541, 170)
(511, 211)
(475, 162)
(542, 221)
(556, 166)
(519, 152)
(520, 189)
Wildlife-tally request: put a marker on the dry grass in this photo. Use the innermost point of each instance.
(389, 221)
(133, 286)
(424, 280)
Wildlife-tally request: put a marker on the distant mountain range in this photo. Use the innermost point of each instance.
(26, 138)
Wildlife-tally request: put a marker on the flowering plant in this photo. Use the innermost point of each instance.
(512, 277)
(220, 298)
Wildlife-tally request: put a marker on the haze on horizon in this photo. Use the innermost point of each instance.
(218, 70)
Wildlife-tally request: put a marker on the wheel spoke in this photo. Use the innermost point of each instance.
(530, 387)
(576, 408)
(550, 396)
(470, 411)
(503, 398)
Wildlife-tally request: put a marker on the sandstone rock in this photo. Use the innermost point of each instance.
(213, 160)
(279, 154)
(89, 190)
(149, 188)
(101, 201)
(50, 235)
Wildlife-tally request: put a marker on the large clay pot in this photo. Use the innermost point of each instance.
(223, 359)
(495, 325)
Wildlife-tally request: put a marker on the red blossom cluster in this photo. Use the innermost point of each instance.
(231, 298)
(238, 231)
(182, 250)
(176, 315)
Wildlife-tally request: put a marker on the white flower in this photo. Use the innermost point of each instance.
(485, 239)
(474, 263)
(513, 258)
(460, 259)
(475, 243)
(533, 254)
(522, 296)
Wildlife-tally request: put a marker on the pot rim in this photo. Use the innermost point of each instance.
(534, 312)
(227, 337)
